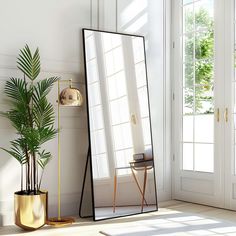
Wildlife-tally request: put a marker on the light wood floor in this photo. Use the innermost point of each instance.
(173, 218)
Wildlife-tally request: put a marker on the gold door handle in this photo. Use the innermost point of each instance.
(226, 116)
(218, 114)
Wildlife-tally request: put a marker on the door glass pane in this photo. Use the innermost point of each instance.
(203, 157)
(188, 156)
(198, 85)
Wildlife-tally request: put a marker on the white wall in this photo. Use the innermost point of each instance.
(55, 27)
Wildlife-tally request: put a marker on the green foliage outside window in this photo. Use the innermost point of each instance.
(198, 46)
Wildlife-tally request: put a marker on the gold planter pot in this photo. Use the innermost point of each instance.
(31, 210)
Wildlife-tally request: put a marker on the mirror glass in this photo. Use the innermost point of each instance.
(119, 124)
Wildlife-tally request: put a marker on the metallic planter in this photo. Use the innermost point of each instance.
(31, 210)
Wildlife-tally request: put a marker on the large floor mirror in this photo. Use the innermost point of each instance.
(119, 124)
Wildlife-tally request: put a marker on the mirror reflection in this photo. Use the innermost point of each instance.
(119, 124)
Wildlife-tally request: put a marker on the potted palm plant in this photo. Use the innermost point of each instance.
(32, 116)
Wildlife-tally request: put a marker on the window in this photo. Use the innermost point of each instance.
(198, 85)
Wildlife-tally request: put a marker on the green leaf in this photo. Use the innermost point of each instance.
(29, 64)
(44, 158)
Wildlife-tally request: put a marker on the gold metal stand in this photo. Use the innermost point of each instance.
(71, 97)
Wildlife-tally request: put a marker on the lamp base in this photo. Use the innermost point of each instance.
(60, 222)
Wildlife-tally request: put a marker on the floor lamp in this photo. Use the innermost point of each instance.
(70, 97)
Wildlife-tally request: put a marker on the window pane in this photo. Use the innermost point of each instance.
(188, 128)
(188, 74)
(204, 128)
(188, 156)
(204, 100)
(188, 101)
(188, 48)
(234, 95)
(204, 11)
(204, 157)
(204, 72)
(188, 19)
(204, 45)
(187, 1)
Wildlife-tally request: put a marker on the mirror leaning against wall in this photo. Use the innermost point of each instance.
(122, 162)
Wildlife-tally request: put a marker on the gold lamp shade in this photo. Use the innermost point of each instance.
(70, 97)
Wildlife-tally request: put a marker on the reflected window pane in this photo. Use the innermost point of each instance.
(94, 95)
(102, 164)
(97, 118)
(143, 101)
(90, 48)
(188, 156)
(117, 85)
(122, 136)
(138, 49)
(204, 157)
(123, 158)
(188, 128)
(140, 72)
(119, 111)
(146, 131)
(111, 41)
(204, 128)
(100, 143)
(92, 71)
(114, 61)
(95, 167)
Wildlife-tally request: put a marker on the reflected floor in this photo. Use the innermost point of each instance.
(107, 212)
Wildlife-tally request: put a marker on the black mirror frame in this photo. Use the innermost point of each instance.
(89, 138)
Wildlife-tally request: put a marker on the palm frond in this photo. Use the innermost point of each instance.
(17, 152)
(16, 90)
(43, 113)
(44, 158)
(43, 87)
(29, 63)
(46, 134)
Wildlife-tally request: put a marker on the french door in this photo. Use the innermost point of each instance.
(204, 102)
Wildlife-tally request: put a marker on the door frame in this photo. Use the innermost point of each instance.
(210, 186)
